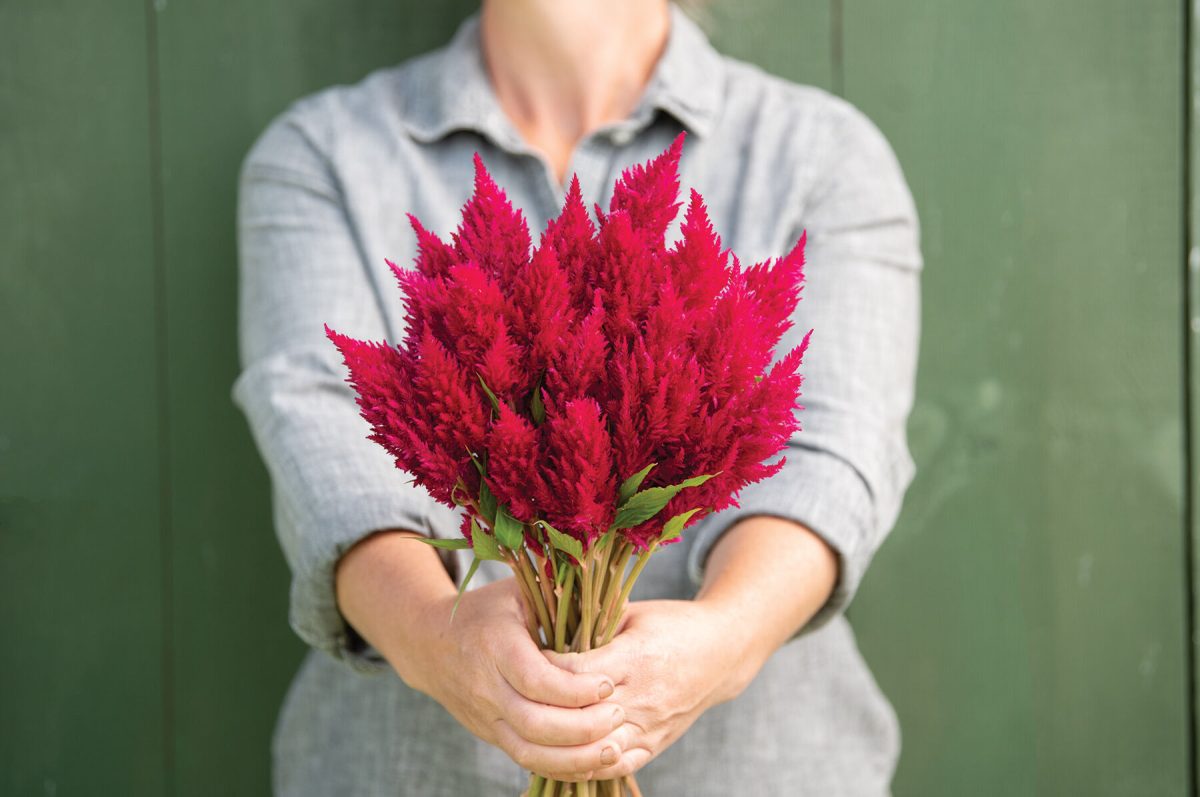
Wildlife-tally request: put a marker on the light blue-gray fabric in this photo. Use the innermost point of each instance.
(322, 203)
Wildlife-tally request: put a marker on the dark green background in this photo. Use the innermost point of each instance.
(1030, 616)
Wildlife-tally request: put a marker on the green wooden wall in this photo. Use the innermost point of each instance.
(1030, 617)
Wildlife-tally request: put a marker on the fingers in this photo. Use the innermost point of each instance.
(575, 762)
(528, 672)
(630, 762)
(612, 660)
(553, 725)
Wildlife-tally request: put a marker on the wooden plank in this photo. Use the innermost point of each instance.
(1192, 343)
(80, 601)
(226, 69)
(1028, 617)
(793, 40)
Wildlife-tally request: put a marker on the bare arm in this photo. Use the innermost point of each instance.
(483, 667)
(765, 581)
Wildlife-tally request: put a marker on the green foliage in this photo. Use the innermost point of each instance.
(487, 502)
(631, 485)
(562, 542)
(536, 407)
(491, 396)
(644, 505)
(674, 526)
(463, 586)
(447, 545)
(509, 531)
(484, 544)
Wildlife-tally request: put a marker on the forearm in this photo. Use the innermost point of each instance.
(764, 579)
(385, 571)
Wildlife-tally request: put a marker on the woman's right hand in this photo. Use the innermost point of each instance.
(483, 667)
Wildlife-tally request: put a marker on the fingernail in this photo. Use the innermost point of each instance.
(608, 756)
(618, 717)
(606, 690)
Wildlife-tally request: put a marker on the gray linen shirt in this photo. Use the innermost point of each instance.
(322, 201)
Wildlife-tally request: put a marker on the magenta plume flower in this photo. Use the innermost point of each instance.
(542, 377)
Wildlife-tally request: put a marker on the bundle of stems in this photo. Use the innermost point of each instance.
(573, 609)
(576, 593)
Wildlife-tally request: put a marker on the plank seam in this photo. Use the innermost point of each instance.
(836, 44)
(162, 388)
(1191, 63)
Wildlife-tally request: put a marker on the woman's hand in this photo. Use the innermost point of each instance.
(672, 661)
(483, 667)
(487, 672)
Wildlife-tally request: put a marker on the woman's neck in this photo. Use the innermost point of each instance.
(563, 68)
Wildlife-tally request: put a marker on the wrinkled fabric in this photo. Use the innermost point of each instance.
(322, 203)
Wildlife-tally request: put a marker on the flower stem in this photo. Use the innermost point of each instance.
(536, 785)
(530, 619)
(602, 573)
(564, 601)
(533, 593)
(547, 594)
(619, 609)
(612, 590)
(587, 607)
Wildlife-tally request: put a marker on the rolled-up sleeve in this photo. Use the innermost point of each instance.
(300, 267)
(848, 470)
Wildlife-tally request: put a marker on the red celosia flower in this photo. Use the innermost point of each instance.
(579, 492)
(512, 464)
(603, 351)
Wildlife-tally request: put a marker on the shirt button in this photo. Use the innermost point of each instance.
(621, 136)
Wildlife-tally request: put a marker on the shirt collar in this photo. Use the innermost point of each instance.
(686, 83)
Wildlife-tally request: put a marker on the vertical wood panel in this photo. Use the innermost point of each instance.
(1028, 618)
(1192, 344)
(1028, 615)
(789, 39)
(80, 581)
(226, 69)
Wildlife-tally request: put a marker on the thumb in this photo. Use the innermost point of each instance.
(607, 660)
(571, 662)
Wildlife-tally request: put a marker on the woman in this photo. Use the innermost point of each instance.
(738, 639)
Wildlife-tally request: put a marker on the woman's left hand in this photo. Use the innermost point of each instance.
(672, 660)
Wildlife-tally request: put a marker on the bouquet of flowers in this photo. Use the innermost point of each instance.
(585, 400)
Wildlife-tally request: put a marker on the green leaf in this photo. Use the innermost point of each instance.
(556, 570)
(562, 542)
(537, 408)
(673, 526)
(509, 530)
(606, 539)
(491, 396)
(476, 461)
(631, 485)
(487, 502)
(484, 544)
(463, 586)
(757, 378)
(648, 503)
(447, 545)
